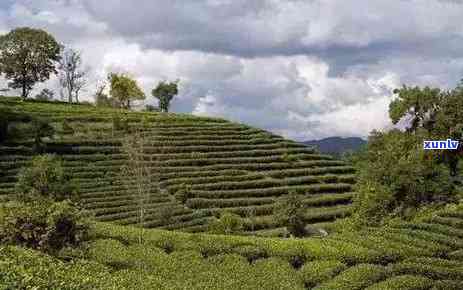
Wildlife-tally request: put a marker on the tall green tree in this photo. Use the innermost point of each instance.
(436, 112)
(124, 89)
(421, 105)
(28, 56)
(165, 92)
(396, 176)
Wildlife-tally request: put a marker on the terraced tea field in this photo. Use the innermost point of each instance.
(424, 255)
(225, 166)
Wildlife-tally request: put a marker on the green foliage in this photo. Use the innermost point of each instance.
(421, 104)
(316, 272)
(357, 277)
(120, 123)
(228, 223)
(290, 212)
(44, 177)
(124, 89)
(436, 112)
(28, 56)
(28, 269)
(43, 224)
(165, 92)
(397, 176)
(403, 282)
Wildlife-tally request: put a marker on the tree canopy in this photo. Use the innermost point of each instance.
(436, 112)
(124, 89)
(28, 56)
(165, 92)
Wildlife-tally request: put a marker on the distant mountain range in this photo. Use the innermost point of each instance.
(337, 145)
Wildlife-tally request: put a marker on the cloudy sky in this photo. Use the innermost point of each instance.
(304, 69)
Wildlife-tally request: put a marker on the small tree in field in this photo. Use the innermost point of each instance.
(28, 56)
(165, 92)
(136, 175)
(289, 211)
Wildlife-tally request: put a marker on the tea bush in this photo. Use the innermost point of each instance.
(43, 224)
(45, 177)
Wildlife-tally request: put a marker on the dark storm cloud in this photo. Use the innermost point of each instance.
(341, 32)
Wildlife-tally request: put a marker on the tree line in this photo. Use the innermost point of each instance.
(29, 56)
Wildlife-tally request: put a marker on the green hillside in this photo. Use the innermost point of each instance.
(426, 254)
(227, 166)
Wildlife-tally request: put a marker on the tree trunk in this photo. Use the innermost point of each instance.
(24, 92)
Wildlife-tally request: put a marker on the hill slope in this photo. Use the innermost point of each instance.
(228, 166)
(336, 145)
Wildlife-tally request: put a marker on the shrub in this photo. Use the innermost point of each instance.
(228, 223)
(397, 177)
(315, 272)
(45, 177)
(110, 252)
(43, 225)
(28, 269)
(405, 282)
(290, 211)
(357, 277)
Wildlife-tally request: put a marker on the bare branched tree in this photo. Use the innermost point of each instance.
(140, 178)
(72, 75)
(136, 176)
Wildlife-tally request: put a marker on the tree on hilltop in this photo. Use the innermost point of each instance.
(124, 89)
(28, 56)
(165, 92)
(72, 77)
